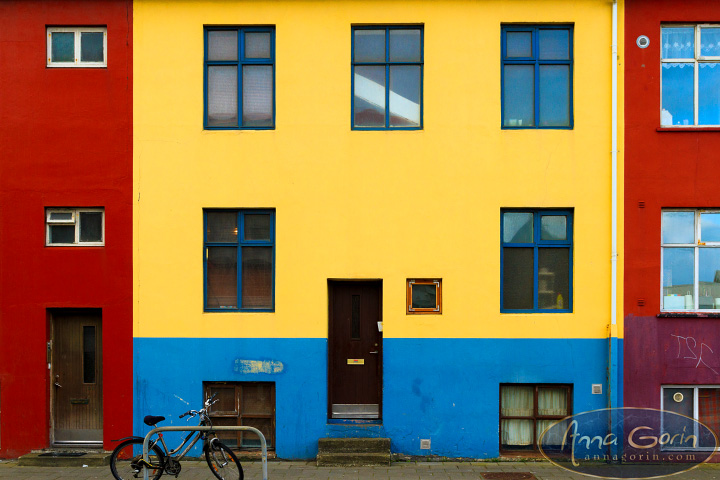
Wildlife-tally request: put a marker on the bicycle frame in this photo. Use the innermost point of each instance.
(170, 453)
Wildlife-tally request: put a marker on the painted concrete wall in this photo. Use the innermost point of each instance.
(352, 204)
(66, 141)
(662, 169)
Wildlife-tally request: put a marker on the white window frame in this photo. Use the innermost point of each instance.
(76, 222)
(696, 245)
(696, 405)
(696, 70)
(77, 31)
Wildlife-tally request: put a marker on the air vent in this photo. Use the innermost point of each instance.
(424, 444)
(641, 302)
(641, 204)
(643, 41)
(597, 388)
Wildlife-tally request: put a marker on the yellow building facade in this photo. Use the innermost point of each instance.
(399, 234)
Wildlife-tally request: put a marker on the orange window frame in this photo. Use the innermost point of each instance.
(437, 282)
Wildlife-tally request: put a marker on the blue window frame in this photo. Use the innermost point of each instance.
(239, 78)
(239, 260)
(387, 77)
(537, 76)
(536, 260)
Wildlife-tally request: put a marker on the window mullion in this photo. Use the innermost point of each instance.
(387, 95)
(77, 47)
(536, 259)
(696, 287)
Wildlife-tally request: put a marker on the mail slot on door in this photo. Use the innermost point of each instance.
(356, 361)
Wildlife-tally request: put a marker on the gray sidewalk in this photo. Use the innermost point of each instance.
(279, 470)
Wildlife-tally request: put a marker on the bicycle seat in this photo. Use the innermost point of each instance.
(151, 420)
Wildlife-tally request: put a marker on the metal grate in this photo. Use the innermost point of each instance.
(508, 476)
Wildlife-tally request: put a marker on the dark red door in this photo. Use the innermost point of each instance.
(355, 349)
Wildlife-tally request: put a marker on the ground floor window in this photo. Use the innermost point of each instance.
(527, 410)
(701, 402)
(250, 404)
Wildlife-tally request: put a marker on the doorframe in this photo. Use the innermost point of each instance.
(50, 346)
(379, 283)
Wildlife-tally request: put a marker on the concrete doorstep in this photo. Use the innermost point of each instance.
(65, 458)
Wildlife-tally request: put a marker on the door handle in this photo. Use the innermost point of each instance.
(58, 385)
(374, 352)
(57, 378)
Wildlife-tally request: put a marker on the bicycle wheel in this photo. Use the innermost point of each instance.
(125, 460)
(222, 461)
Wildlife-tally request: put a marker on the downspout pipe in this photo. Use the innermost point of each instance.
(613, 343)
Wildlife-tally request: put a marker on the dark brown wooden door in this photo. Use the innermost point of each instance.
(355, 349)
(76, 378)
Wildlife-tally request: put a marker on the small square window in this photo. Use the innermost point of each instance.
(424, 296)
(77, 46)
(75, 226)
(537, 64)
(387, 73)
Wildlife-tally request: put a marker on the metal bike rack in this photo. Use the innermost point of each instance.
(146, 442)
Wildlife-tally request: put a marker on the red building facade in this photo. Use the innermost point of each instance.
(65, 224)
(672, 205)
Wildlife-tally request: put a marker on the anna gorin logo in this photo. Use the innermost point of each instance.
(628, 443)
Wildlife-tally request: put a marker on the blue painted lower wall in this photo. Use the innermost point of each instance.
(446, 390)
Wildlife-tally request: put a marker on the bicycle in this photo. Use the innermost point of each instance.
(127, 462)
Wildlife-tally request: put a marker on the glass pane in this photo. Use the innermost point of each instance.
(519, 96)
(519, 44)
(678, 278)
(257, 96)
(517, 227)
(405, 45)
(89, 354)
(226, 402)
(369, 46)
(62, 233)
(554, 96)
(63, 47)
(228, 438)
(552, 401)
(677, 94)
(517, 433)
(678, 42)
(369, 97)
(709, 94)
(517, 278)
(517, 401)
(222, 277)
(257, 45)
(223, 45)
(553, 438)
(61, 216)
(553, 227)
(222, 96)
(554, 278)
(355, 323)
(710, 227)
(257, 226)
(91, 47)
(554, 44)
(678, 400)
(222, 227)
(710, 41)
(405, 96)
(678, 227)
(250, 439)
(257, 277)
(257, 399)
(709, 278)
(424, 296)
(709, 408)
(91, 226)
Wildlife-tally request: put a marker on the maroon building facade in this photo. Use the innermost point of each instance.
(672, 207)
(65, 224)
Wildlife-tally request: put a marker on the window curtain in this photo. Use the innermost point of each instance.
(551, 438)
(709, 408)
(552, 401)
(517, 432)
(516, 401)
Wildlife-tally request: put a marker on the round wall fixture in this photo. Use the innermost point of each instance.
(678, 397)
(643, 41)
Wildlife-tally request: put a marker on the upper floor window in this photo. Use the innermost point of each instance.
(691, 259)
(537, 76)
(536, 261)
(387, 73)
(74, 226)
(77, 46)
(690, 75)
(239, 260)
(240, 78)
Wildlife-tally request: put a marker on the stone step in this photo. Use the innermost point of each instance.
(353, 459)
(60, 458)
(354, 445)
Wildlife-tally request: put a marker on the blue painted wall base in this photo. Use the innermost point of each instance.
(445, 390)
